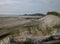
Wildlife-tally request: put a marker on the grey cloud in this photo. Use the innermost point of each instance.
(29, 6)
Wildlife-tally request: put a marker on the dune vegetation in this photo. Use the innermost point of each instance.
(53, 13)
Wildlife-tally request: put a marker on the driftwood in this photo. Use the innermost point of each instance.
(54, 39)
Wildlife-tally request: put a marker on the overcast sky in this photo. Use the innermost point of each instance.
(28, 6)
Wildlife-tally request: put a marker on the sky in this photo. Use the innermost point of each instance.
(16, 7)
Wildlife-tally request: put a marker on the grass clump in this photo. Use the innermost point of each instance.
(56, 26)
(45, 31)
(15, 33)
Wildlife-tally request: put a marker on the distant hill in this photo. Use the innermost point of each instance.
(36, 14)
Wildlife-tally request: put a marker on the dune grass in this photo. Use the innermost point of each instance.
(53, 13)
(57, 26)
(15, 33)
